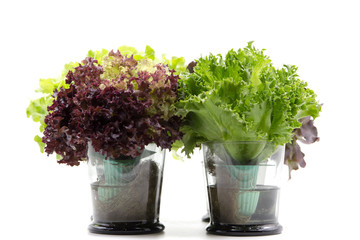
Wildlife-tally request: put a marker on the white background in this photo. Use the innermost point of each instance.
(43, 200)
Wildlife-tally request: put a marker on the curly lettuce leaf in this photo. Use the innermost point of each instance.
(98, 55)
(38, 108)
(242, 97)
(174, 63)
(122, 113)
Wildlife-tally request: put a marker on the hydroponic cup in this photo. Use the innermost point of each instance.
(126, 192)
(243, 192)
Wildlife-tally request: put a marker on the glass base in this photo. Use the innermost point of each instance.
(126, 228)
(244, 230)
(206, 218)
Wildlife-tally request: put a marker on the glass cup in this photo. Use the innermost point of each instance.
(243, 187)
(126, 192)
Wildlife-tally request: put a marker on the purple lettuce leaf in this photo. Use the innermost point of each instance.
(307, 134)
(119, 115)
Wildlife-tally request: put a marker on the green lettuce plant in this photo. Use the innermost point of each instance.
(242, 97)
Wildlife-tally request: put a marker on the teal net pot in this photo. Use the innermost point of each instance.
(243, 184)
(126, 192)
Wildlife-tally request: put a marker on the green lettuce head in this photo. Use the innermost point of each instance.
(243, 97)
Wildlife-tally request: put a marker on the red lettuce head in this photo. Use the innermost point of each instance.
(119, 107)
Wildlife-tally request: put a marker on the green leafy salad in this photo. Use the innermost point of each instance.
(242, 97)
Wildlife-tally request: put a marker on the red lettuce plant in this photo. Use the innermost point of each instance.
(119, 107)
